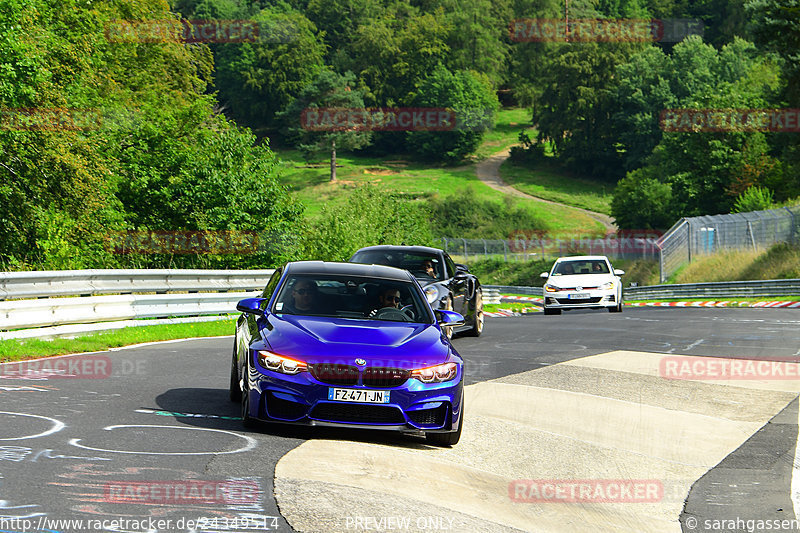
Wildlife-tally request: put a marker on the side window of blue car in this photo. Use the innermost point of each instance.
(272, 284)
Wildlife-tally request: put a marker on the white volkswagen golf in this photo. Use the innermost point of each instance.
(582, 282)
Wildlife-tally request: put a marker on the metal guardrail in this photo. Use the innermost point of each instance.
(491, 295)
(725, 289)
(67, 298)
(113, 297)
(533, 291)
(17, 285)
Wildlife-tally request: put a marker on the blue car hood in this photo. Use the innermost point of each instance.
(341, 341)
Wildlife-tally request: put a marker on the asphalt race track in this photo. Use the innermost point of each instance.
(587, 421)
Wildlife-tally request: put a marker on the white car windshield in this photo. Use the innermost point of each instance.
(587, 266)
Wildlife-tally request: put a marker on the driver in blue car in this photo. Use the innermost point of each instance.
(304, 296)
(388, 297)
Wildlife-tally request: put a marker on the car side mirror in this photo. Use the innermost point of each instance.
(463, 267)
(618, 272)
(544, 275)
(251, 305)
(448, 318)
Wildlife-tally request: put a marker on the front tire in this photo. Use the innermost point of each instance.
(235, 392)
(447, 439)
(247, 421)
(477, 327)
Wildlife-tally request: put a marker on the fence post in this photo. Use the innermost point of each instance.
(505, 252)
(465, 249)
(791, 232)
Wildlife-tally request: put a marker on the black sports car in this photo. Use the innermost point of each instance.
(447, 285)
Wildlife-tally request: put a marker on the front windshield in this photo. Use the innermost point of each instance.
(424, 266)
(587, 266)
(352, 297)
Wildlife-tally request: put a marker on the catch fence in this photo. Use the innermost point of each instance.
(528, 245)
(697, 236)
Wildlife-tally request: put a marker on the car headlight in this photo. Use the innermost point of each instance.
(607, 286)
(280, 363)
(436, 374)
(431, 293)
(551, 288)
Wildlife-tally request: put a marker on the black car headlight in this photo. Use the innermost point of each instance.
(431, 293)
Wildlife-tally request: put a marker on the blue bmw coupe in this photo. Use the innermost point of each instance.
(348, 345)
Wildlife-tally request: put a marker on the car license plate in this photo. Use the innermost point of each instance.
(579, 296)
(358, 396)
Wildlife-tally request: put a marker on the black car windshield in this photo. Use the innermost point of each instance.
(425, 266)
(587, 266)
(352, 297)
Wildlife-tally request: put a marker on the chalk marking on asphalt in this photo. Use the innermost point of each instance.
(57, 425)
(251, 442)
(694, 344)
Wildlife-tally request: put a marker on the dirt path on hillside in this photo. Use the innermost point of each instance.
(488, 172)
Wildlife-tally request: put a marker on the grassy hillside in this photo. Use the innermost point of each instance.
(419, 180)
(546, 182)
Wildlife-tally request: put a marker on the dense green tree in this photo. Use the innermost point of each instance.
(475, 104)
(326, 116)
(392, 54)
(576, 106)
(145, 150)
(258, 79)
(641, 201)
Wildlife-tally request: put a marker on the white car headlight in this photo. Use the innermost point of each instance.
(431, 293)
(607, 286)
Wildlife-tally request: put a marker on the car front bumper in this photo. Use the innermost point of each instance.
(413, 407)
(595, 299)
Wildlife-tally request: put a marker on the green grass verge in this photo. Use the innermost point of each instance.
(16, 350)
(545, 182)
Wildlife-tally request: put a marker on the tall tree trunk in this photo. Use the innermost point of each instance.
(333, 160)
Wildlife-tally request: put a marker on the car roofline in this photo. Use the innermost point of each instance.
(347, 269)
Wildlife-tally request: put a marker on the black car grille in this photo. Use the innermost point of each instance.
(356, 414)
(378, 377)
(284, 409)
(335, 374)
(579, 301)
(384, 377)
(429, 417)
